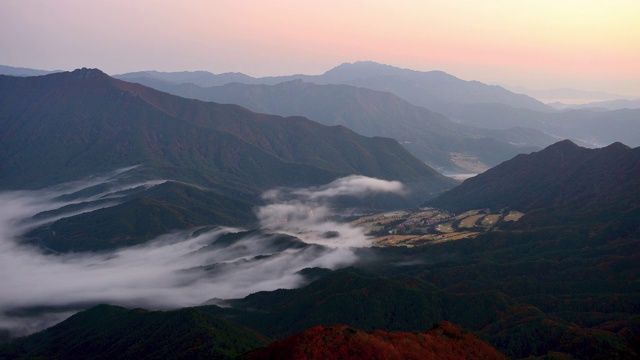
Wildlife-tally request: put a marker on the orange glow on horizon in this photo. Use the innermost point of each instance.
(543, 42)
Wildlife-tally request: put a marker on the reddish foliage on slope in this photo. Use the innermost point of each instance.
(443, 341)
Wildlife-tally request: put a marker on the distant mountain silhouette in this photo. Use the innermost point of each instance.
(608, 105)
(427, 89)
(469, 102)
(21, 71)
(200, 78)
(429, 136)
(593, 127)
(566, 94)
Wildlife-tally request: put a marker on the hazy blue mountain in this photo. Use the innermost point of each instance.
(200, 78)
(566, 94)
(586, 126)
(20, 71)
(469, 102)
(429, 136)
(617, 104)
(427, 89)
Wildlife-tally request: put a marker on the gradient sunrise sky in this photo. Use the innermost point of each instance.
(584, 44)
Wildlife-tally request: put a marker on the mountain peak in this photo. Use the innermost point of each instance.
(86, 73)
(617, 146)
(362, 69)
(564, 145)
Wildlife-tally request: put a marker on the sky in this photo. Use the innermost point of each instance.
(539, 44)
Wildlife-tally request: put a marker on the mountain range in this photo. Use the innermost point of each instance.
(192, 333)
(468, 102)
(561, 282)
(426, 89)
(568, 95)
(617, 104)
(429, 136)
(90, 123)
(21, 71)
(67, 126)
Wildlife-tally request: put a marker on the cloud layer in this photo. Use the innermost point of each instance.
(177, 269)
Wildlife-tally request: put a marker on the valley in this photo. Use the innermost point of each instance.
(131, 215)
(430, 226)
(319, 180)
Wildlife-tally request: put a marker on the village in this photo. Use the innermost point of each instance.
(428, 226)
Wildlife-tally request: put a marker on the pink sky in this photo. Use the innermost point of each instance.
(584, 44)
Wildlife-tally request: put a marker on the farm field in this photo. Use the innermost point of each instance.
(430, 226)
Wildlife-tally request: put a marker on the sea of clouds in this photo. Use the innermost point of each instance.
(182, 268)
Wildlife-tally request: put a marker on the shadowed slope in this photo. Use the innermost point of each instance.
(561, 184)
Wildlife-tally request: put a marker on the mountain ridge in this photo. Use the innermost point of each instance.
(561, 184)
(230, 123)
(76, 125)
(473, 103)
(425, 89)
(428, 135)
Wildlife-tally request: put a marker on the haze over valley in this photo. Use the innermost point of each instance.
(297, 180)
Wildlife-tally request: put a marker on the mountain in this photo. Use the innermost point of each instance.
(592, 127)
(74, 125)
(112, 332)
(20, 71)
(617, 104)
(426, 89)
(200, 78)
(572, 96)
(527, 293)
(562, 184)
(140, 215)
(467, 102)
(429, 136)
(541, 293)
(445, 340)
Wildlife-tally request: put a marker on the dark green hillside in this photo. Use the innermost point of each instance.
(346, 297)
(537, 293)
(563, 282)
(529, 294)
(111, 332)
(143, 216)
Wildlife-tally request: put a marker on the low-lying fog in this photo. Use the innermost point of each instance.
(177, 269)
